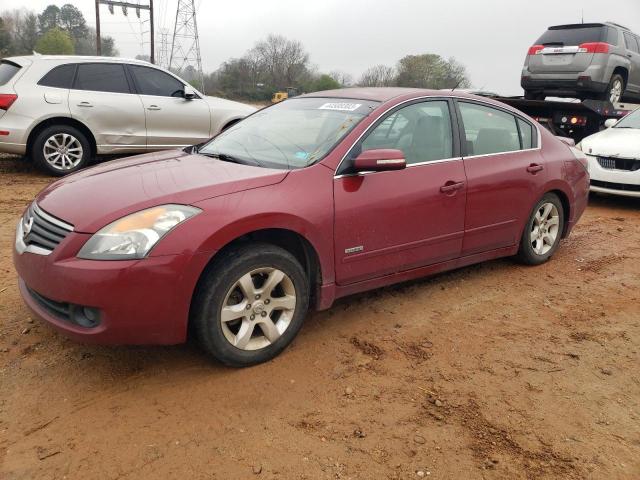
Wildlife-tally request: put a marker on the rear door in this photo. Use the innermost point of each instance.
(387, 222)
(103, 99)
(172, 120)
(633, 54)
(561, 50)
(505, 176)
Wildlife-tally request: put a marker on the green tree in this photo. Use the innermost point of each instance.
(87, 45)
(323, 82)
(431, 71)
(55, 42)
(49, 18)
(22, 27)
(72, 21)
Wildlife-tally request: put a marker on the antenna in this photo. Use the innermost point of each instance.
(185, 47)
(583, 15)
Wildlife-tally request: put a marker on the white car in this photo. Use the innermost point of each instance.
(64, 110)
(614, 157)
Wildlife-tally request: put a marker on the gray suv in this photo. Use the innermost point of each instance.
(587, 60)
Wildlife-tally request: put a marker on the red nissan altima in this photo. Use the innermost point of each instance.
(306, 201)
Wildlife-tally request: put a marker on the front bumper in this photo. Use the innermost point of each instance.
(140, 302)
(613, 181)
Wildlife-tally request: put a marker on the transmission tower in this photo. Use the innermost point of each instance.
(162, 56)
(185, 47)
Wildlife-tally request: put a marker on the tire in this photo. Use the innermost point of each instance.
(48, 150)
(617, 83)
(531, 251)
(247, 336)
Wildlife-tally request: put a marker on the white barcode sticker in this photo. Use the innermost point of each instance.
(344, 107)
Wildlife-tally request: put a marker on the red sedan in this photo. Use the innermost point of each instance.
(309, 200)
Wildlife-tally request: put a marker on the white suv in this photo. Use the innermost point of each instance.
(64, 110)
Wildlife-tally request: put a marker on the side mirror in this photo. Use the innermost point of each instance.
(380, 160)
(189, 93)
(610, 122)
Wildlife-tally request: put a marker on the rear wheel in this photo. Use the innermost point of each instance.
(615, 89)
(251, 305)
(543, 231)
(60, 150)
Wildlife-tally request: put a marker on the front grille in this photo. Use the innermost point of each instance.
(42, 230)
(616, 186)
(612, 163)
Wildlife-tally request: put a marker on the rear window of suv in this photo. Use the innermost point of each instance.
(572, 35)
(7, 71)
(60, 77)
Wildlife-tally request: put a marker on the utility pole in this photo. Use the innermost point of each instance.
(185, 47)
(98, 42)
(125, 6)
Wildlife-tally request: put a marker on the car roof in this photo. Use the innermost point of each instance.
(75, 58)
(385, 94)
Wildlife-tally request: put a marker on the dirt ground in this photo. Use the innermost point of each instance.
(495, 371)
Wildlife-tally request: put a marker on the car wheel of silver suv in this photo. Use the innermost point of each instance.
(60, 150)
(615, 90)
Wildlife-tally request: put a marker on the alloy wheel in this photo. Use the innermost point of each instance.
(62, 151)
(258, 308)
(616, 91)
(545, 228)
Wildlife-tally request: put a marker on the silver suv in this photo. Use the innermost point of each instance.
(587, 60)
(65, 110)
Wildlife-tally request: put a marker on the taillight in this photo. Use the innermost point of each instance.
(6, 100)
(535, 50)
(593, 47)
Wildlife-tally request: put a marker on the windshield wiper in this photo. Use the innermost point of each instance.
(225, 157)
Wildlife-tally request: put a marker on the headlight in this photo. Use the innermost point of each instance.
(135, 235)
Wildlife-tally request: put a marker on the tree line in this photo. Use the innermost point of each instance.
(56, 30)
(272, 64)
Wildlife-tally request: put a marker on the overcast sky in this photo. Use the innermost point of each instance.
(490, 37)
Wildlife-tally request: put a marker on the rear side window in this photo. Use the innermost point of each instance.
(7, 71)
(154, 82)
(612, 36)
(572, 35)
(60, 77)
(631, 42)
(526, 134)
(101, 77)
(488, 130)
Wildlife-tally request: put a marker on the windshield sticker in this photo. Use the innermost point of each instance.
(343, 107)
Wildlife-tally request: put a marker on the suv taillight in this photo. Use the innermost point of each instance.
(593, 47)
(6, 100)
(536, 49)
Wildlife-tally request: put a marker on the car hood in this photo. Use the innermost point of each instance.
(100, 195)
(622, 142)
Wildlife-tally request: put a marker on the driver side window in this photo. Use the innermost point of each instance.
(421, 130)
(151, 81)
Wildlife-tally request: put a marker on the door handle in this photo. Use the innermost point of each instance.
(153, 107)
(451, 186)
(85, 104)
(534, 168)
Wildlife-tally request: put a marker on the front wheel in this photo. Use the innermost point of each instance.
(543, 231)
(251, 304)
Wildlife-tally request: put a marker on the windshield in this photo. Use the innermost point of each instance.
(293, 134)
(632, 120)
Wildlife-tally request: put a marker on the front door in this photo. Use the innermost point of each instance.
(632, 44)
(102, 99)
(387, 222)
(505, 176)
(172, 120)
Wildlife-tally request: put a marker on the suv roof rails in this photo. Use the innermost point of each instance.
(618, 25)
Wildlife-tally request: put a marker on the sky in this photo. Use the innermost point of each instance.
(490, 37)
